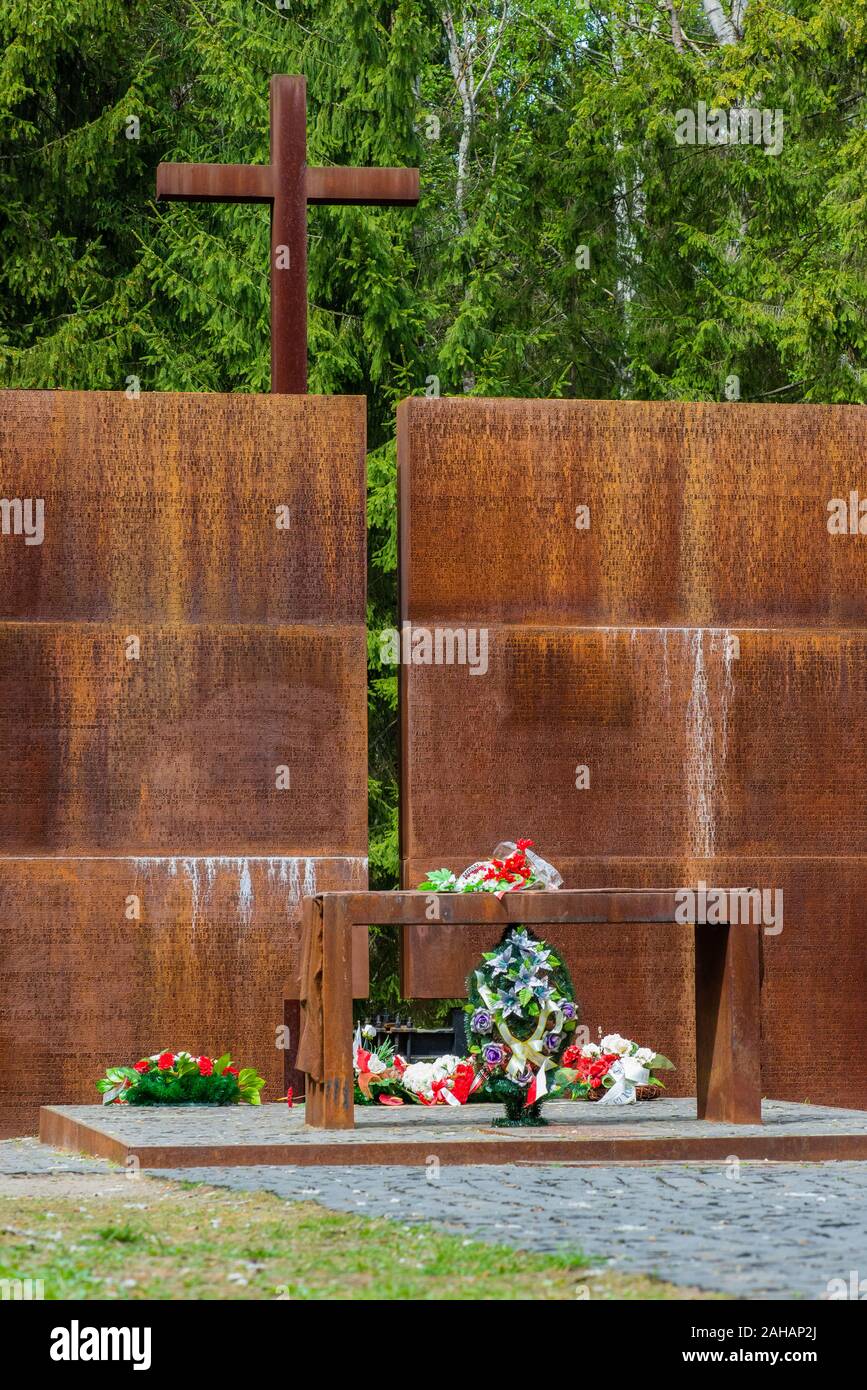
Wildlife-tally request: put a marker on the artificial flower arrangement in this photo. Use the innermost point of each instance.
(447, 1081)
(614, 1071)
(179, 1078)
(378, 1070)
(511, 867)
(383, 1076)
(522, 1011)
(522, 1014)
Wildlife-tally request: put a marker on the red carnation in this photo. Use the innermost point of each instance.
(166, 1061)
(142, 1066)
(572, 1056)
(230, 1071)
(525, 844)
(206, 1066)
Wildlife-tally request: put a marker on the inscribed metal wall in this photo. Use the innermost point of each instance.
(192, 622)
(700, 648)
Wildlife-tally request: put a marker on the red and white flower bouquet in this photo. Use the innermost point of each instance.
(512, 867)
(181, 1078)
(613, 1071)
(446, 1081)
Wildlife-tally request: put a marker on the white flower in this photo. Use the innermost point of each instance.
(418, 1078)
(368, 1031)
(645, 1056)
(590, 1050)
(375, 1064)
(444, 1066)
(614, 1043)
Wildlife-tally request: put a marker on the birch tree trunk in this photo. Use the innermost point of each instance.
(461, 56)
(725, 30)
(465, 51)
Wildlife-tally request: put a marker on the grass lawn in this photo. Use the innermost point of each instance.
(154, 1239)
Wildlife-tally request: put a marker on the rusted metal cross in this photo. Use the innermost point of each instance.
(288, 185)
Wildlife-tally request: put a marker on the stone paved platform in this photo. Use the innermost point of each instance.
(205, 1136)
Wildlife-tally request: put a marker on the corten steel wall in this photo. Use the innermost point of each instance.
(702, 649)
(156, 778)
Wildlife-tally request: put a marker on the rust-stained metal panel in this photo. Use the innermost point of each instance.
(165, 508)
(183, 690)
(701, 650)
(695, 742)
(180, 751)
(700, 514)
(204, 965)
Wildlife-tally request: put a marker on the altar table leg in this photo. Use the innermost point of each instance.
(329, 1103)
(728, 1023)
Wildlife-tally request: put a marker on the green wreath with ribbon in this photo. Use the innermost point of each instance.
(520, 1017)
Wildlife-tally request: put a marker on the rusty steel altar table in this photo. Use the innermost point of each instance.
(727, 981)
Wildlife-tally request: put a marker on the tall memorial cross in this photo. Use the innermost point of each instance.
(288, 185)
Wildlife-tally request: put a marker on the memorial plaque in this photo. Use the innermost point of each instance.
(183, 697)
(674, 691)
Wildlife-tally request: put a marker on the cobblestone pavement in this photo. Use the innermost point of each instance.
(27, 1157)
(754, 1230)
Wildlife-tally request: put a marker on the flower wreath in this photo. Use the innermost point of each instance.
(521, 1011)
